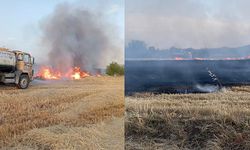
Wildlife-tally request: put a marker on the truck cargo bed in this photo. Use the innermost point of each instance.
(7, 61)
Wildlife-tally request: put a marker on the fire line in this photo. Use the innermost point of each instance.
(48, 73)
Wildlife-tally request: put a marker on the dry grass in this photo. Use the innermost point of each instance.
(69, 105)
(189, 121)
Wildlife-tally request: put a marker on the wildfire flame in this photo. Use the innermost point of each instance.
(76, 76)
(48, 73)
(179, 58)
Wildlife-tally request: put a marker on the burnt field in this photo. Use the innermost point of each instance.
(184, 76)
(189, 121)
(73, 114)
(159, 117)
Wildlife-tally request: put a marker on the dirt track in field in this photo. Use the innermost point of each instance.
(57, 110)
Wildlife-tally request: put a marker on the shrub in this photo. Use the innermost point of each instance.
(114, 69)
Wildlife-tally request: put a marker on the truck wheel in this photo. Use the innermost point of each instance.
(23, 81)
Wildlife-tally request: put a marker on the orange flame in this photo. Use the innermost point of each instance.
(179, 58)
(48, 73)
(76, 76)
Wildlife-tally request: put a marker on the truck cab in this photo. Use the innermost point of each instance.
(24, 69)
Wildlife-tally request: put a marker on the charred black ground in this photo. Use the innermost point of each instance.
(184, 76)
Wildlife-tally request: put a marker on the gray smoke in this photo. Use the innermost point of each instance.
(208, 88)
(78, 37)
(188, 23)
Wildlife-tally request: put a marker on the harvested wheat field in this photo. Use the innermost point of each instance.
(190, 121)
(80, 114)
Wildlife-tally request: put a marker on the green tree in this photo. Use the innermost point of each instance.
(114, 69)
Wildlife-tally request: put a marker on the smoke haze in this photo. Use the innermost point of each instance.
(79, 37)
(188, 23)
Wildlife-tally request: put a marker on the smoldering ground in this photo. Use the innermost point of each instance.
(79, 37)
(184, 76)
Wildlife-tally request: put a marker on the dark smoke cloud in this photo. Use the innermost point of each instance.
(78, 37)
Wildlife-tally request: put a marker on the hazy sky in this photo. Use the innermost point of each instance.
(21, 20)
(188, 23)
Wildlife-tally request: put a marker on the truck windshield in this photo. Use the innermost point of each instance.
(26, 58)
(20, 57)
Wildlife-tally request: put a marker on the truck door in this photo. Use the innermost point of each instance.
(27, 64)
